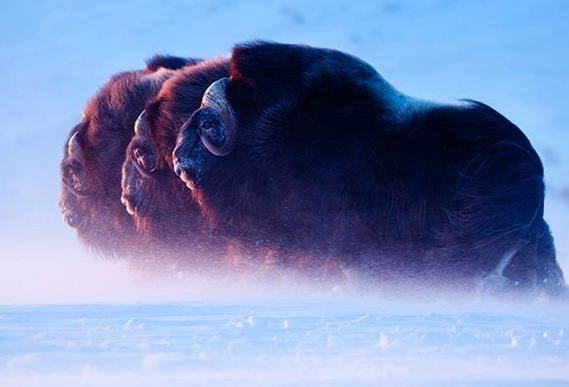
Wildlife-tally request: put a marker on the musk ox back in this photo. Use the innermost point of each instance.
(312, 149)
(94, 153)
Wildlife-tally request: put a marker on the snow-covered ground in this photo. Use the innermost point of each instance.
(54, 54)
(284, 344)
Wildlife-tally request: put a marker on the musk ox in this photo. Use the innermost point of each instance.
(162, 207)
(164, 210)
(94, 152)
(312, 149)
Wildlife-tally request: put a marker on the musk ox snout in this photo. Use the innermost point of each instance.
(182, 153)
(189, 156)
(189, 170)
(73, 219)
(128, 202)
(72, 212)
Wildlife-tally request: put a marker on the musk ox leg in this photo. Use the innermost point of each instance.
(495, 281)
(533, 269)
(550, 278)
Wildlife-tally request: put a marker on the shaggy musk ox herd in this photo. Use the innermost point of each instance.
(306, 158)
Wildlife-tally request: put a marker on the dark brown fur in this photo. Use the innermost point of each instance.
(90, 197)
(164, 210)
(332, 161)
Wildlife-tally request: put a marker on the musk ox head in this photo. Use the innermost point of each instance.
(94, 153)
(141, 162)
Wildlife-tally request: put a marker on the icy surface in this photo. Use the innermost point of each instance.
(54, 54)
(328, 343)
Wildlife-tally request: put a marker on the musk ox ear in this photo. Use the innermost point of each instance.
(169, 62)
(215, 122)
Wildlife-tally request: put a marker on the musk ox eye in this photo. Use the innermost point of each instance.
(73, 177)
(207, 125)
(74, 180)
(211, 129)
(144, 158)
(138, 155)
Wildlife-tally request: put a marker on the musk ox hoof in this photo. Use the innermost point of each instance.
(495, 282)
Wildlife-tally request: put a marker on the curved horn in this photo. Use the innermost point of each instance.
(140, 125)
(74, 148)
(73, 175)
(215, 97)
